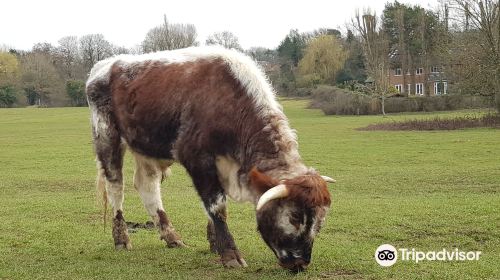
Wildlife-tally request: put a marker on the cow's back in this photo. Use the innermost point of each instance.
(180, 103)
(157, 104)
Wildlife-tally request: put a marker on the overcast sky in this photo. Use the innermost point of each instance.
(125, 23)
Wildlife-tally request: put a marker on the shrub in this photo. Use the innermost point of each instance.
(7, 96)
(76, 92)
(437, 123)
(335, 101)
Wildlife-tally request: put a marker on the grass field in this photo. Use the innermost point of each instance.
(423, 190)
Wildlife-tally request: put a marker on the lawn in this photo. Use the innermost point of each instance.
(422, 190)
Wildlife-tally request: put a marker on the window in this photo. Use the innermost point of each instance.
(408, 89)
(440, 88)
(399, 88)
(419, 89)
(397, 72)
(419, 71)
(408, 72)
(435, 69)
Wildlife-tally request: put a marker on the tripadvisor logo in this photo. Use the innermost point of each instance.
(387, 255)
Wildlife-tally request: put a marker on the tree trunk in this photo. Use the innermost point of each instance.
(497, 91)
(383, 104)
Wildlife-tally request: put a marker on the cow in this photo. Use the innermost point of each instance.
(213, 111)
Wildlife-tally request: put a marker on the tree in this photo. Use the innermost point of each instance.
(481, 36)
(354, 68)
(7, 96)
(260, 54)
(323, 58)
(93, 47)
(376, 52)
(291, 48)
(225, 38)
(9, 75)
(43, 48)
(40, 79)
(76, 92)
(413, 34)
(9, 68)
(169, 36)
(68, 59)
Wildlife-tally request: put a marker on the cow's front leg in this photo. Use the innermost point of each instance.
(224, 242)
(206, 181)
(211, 236)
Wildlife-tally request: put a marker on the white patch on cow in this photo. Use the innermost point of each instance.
(318, 221)
(283, 221)
(114, 191)
(147, 180)
(218, 205)
(283, 254)
(99, 124)
(227, 170)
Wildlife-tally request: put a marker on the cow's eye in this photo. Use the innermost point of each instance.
(296, 219)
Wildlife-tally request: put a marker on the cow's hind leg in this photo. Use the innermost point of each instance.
(205, 178)
(148, 176)
(110, 178)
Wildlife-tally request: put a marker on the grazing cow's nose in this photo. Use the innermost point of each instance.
(294, 264)
(300, 264)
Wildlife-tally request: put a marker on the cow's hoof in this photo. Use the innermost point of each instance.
(236, 263)
(120, 232)
(176, 244)
(172, 239)
(123, 246)
(233, 259)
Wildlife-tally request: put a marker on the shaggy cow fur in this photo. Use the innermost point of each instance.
(213, 111)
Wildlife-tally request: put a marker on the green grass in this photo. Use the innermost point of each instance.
(423, 190)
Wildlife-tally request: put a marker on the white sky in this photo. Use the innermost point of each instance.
(125, 23)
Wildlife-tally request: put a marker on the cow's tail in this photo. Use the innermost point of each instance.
(101, 195)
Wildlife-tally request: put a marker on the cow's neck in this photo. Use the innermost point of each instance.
(284, 161)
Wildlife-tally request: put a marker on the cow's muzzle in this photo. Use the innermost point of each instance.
(295, 265)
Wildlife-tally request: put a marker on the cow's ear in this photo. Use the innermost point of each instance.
(260, 182)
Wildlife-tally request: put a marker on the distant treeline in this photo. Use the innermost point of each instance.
(461, 36)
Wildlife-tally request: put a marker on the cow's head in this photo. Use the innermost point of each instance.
(290, 214)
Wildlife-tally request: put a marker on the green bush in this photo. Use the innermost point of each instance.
(7, 96)
(76, 92)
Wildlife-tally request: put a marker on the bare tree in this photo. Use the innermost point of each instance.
(481, 19)
(5, 48)
(43, 48)
(93, 47)
(68, 58)
(169, 36)
(261, 54)
(376, 52)
(225, 38)
(40, 79)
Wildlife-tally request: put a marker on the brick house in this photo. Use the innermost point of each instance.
(419, 81)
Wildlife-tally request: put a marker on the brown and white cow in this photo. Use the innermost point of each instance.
(212, 110)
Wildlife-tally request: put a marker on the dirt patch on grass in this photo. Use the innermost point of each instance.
(437, 123)
(134, 227)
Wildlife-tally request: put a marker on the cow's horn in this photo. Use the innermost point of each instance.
(278, 191)
(328, 179)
